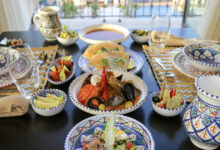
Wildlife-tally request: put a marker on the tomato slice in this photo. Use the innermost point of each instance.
(129, 145)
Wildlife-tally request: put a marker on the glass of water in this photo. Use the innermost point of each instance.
(159, 32)
(25, 71)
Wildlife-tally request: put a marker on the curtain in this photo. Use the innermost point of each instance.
(16, 14)
(209, 27)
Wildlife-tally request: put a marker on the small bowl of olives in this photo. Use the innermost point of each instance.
(140, 35)
(67, 37)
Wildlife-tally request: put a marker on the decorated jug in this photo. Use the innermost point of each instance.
(49, 22)
(202, 117)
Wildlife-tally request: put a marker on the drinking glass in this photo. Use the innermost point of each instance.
(159, 32)
(25, 71)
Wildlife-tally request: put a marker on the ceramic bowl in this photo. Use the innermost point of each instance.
(67, 41)
(49, 111)
(121, 29)
(76, 85)
(208, 86)
(135, 130)
(203, 56)
(59, 82)
(166, 112)
(139, 39)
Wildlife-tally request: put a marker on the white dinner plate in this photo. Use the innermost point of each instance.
(139, 61)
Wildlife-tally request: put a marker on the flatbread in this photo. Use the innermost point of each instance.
(115, 60)
(92, 49)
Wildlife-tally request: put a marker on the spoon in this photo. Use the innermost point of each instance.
(167, 74)
(42, 58)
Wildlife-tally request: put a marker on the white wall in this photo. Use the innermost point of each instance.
(16, 15)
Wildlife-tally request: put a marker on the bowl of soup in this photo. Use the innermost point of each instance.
(104, 32)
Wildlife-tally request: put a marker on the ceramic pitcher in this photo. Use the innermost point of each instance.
(202, 117)
(49, 22)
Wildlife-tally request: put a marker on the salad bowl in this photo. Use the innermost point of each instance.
(78, 84)
(167, 112)
(136, 132)
(203, 56)
(68, 77)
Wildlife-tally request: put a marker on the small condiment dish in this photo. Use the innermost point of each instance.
(67, 41)
(59, 82)
(203, 56)
(49, 111)
(140, 38)
(166, 112)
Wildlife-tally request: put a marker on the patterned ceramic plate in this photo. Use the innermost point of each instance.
(134, 129)
(183, 66)
(9, 56)
(139, 61)
(21, 66)
(76, 85)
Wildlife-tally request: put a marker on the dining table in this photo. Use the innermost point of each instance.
(34, 132)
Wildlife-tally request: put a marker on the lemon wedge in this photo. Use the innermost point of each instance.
(45, 99)
(42, 104)
(131, 64)
(54, 97)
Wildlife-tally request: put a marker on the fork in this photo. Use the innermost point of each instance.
(167, 74)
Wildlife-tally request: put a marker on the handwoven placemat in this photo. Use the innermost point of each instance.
(51, 54)
(182, 83)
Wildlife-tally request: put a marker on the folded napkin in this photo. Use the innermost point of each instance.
(13, 106)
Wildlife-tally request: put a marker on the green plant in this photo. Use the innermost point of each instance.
(94, 7)
(70, 8)
(135, 7)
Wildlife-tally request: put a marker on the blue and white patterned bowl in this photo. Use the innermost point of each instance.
(134, 129)
(167, 112)
(203, 56)
(59, 82)
(76, 85)
(49, 111)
